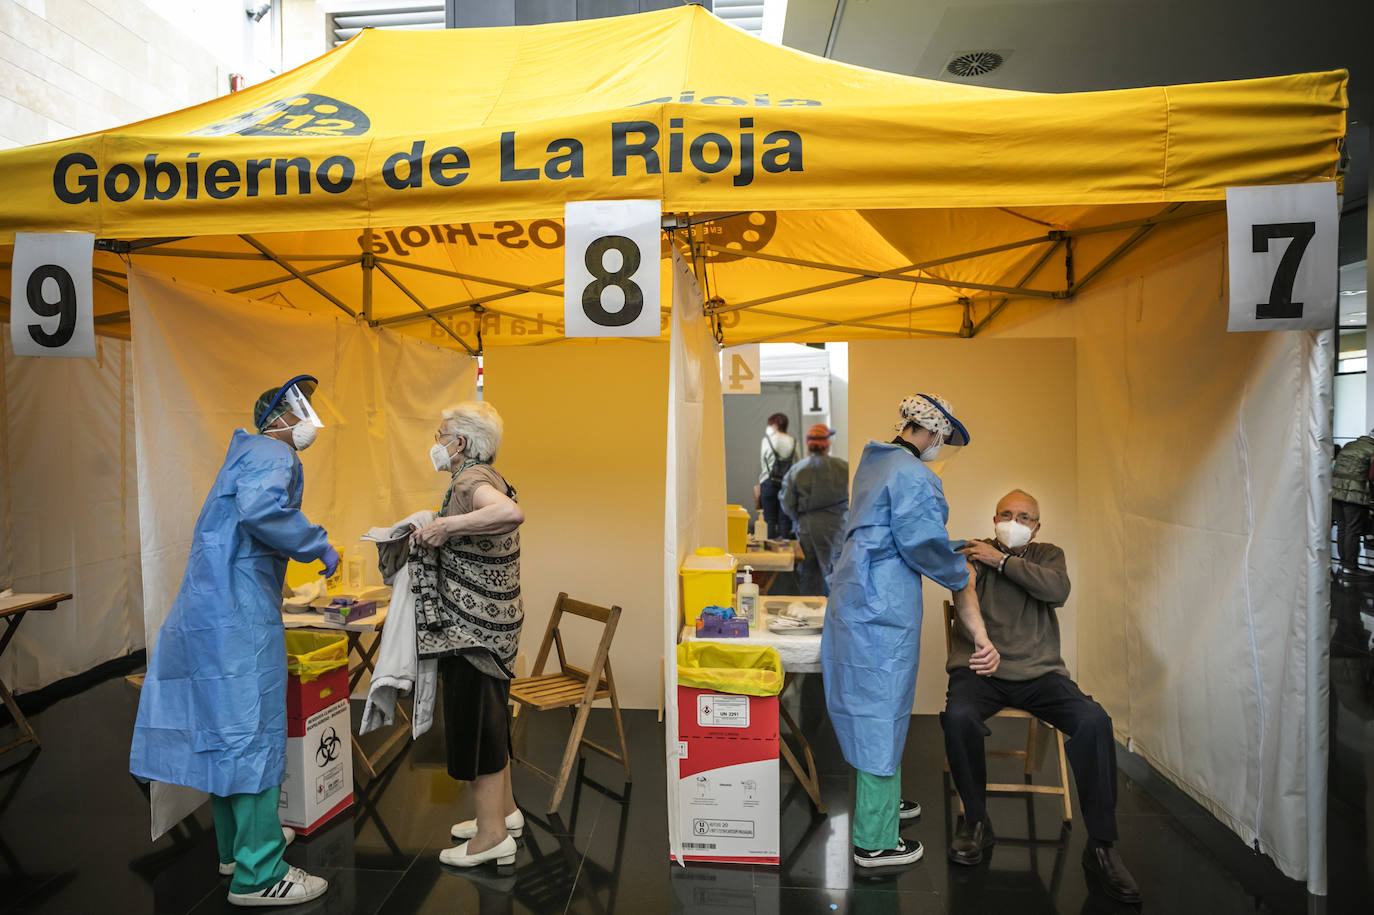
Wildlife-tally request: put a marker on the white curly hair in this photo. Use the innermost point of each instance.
(480, 426)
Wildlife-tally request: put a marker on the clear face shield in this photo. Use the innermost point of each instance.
(297, 399)
(953, 444)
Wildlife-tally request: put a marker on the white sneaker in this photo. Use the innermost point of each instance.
(502, 852)
(226, 870)
(515, 825)
(297, 886)
(908, 810)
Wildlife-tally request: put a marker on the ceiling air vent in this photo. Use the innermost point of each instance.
(975, 63)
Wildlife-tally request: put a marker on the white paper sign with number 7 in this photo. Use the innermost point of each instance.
(611, 268)
(52, 312)
(739, 369)
(1281, 253)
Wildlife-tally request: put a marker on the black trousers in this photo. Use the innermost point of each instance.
(779, 525)
(1054, 699)
(1352, 523)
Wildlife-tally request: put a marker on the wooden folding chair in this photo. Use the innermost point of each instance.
(1060, 786)
(571, 688)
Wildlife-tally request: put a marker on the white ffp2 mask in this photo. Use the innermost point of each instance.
(303, 435)
(440, 457)
(1013, 534)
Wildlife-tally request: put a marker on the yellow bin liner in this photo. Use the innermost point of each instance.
(751, 670)
(311, 654)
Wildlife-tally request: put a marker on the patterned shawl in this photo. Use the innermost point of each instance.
(468, 599)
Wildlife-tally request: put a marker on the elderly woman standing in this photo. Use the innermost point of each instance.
(469, 616)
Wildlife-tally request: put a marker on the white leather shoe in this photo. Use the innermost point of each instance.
(226, 870)
(515, 825)
(502, 852)
(296, 887)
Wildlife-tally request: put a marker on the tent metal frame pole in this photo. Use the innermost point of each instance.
(209, 255)
(463, 305)
(515, 317)
(275, 281)
(1030, 274)
(300, 276)
(1169, 214)
(113, 317)
(369, 263)
(896, 273)
(109, 282)
(425, 268)
(421, 305)
(1131, 241)
(824, 324)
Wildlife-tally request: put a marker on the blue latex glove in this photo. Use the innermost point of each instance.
(330, 560)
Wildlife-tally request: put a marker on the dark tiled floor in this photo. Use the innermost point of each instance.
(74, 832)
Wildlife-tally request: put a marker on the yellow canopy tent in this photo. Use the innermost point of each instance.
(419, 179)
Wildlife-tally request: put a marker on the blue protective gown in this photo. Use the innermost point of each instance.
(871, 642)
(212, 713)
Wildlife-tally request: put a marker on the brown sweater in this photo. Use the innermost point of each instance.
(1019, 607)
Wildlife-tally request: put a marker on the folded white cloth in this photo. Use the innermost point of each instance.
(399, 671)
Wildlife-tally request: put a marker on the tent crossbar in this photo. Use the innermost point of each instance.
(515, 317)
(465, 304)
(1120, 250)
(427, 313)
(782, 296)
(824, 324)
(208, 255)
(101, 278)
(113, 317)
(686, 221)
(326, 294)
(895, 273)
(440, 271)
(1168, 215)
(287, 277)
(1026, 278)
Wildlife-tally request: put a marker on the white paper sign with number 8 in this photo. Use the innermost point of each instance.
(611, 268)
(51, 309)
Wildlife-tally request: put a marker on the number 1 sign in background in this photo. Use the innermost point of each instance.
(1281, 252)
(51, 309)
(611, 268)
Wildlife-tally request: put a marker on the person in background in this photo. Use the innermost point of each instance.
(212, 711)
(777, 453)
(871, 643)
(469, 616)
(1351, 498)
(815, 495)
(1021, 586)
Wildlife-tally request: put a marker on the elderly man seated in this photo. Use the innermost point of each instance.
(1020, 586)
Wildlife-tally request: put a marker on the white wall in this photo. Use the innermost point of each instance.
(585, 431)
(69, 67)
(1023, 436)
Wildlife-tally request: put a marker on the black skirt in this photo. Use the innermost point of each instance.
(476, 719)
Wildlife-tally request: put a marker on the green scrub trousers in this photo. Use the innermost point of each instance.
(877, 810)
(248, 832)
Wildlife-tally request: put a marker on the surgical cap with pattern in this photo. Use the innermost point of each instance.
(917, 409)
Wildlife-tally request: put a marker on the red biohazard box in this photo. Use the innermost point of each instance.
(305, 699)
(728, 794)
(318, 784)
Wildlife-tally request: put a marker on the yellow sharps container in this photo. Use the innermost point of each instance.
(737, 529)
(708, 579)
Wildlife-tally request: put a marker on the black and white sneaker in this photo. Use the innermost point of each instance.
(909, 810)
(297, 886)
(904, 853)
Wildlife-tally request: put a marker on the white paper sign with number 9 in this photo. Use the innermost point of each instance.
(1281, 253)
(611, 268)
(51, 309)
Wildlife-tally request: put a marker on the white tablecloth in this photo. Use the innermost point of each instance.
(312, 620)
(801, 654)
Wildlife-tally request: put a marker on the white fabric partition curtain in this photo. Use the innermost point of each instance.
(203, 357)
(1204, 493)
(68, 509)
(694, 509)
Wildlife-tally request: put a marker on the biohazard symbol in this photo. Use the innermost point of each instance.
(328, 750)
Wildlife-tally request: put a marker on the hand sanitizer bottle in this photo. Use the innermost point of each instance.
(761, 529)
(747, 597)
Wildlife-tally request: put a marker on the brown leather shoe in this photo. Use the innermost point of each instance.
(1105, 864)
(971, 841)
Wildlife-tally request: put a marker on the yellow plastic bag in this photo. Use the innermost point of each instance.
(752, 670)
(312, 654)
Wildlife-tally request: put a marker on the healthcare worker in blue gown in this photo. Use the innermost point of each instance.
(212, 713)
(871, 643)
